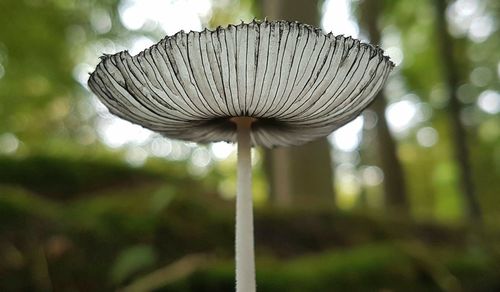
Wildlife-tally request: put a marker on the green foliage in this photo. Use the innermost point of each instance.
(41, 43)
(433, 176)
(18, 208)
(365, 268)
(131, 260)
(106, 239)
(66, 177)
(90, 232)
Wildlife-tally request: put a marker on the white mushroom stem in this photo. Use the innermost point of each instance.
(245, 257)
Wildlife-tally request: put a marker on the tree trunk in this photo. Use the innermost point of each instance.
(394, 179)
(450, 76)
(299, 175)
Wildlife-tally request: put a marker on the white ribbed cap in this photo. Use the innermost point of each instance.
(298, 83)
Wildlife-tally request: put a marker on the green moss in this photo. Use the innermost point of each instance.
(68, 177)
(372, 267)
(366, 268)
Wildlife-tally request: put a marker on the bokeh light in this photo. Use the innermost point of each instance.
(401, 114)
(170, 16)
(348, 137)
(427, 136)
(489, 101)
(8, 143)
(337, 18)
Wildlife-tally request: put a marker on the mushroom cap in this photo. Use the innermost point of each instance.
(298, 83)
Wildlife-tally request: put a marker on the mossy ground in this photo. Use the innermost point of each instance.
(59, 235)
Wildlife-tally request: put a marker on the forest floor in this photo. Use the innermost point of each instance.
(97, 226)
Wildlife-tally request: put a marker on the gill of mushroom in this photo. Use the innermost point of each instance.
(268, 83)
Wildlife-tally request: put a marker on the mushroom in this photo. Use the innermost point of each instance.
(268, 83)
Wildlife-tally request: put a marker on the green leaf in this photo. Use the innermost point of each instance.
(131, 261)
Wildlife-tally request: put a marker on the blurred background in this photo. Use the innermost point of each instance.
(404, 198)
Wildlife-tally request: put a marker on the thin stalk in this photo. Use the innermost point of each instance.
(245, 257)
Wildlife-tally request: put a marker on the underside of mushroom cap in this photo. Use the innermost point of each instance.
(298, 83)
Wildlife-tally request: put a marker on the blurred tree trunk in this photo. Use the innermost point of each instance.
(298, 175)
(394, 179)
(450, 75)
